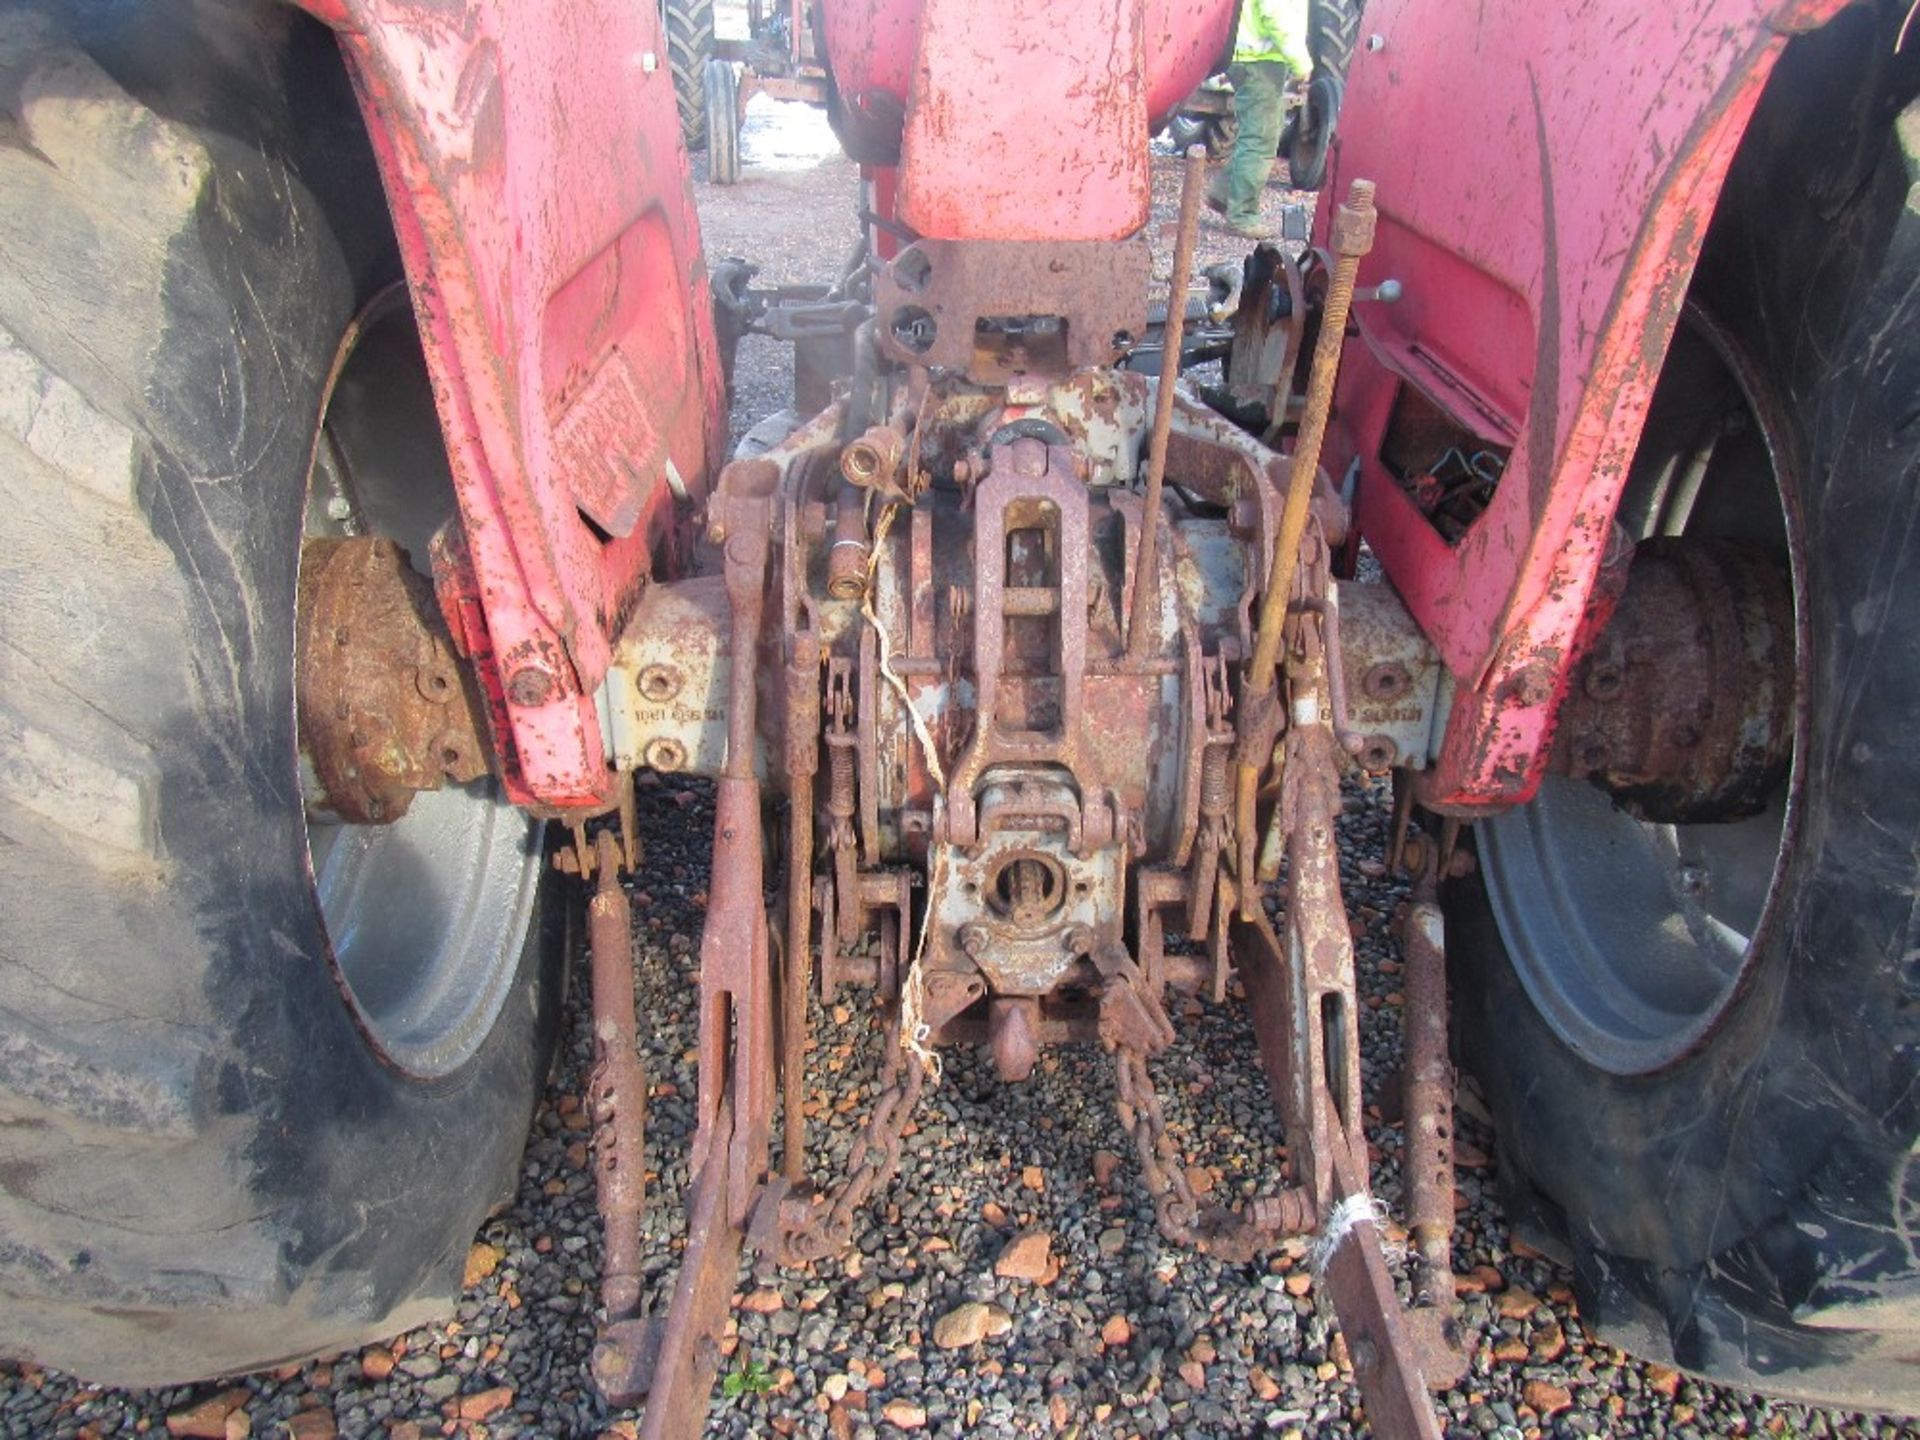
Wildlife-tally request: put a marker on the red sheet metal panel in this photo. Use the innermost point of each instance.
(533, 161)
(1017, 121)
(1546, 175)
(1027, 123)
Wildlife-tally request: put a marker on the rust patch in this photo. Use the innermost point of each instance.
(386, 709)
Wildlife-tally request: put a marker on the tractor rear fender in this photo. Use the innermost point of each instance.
(1546, 177)
(533, 162)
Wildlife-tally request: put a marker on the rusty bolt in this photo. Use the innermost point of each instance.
(665, 754)
(1354, 221)
(974, 939)
(660, 683)
(1604, 682)
(1076, 940)
(1378, 753)
(1532, 684)
(529, 685)
(1593, 756)
(1386, 681)
(433, 683)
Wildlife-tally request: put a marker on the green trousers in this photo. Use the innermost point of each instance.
(1259, 104)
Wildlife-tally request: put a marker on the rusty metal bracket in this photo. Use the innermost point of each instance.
(676, 1363)
(617, 1099)
(1388, 1363)
(1427, 1162)
(1029, 485)
(386, 709)
(1387, 1354)
(1300, 989)
(930, 302)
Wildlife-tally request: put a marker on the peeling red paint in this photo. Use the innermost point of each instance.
(1580, 190)
(514, 198)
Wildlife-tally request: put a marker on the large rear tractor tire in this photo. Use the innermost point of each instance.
(259, 1081)
(1701, 1043)
(690, 44)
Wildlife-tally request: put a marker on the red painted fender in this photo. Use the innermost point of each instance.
(1546, 175)
(538, 183)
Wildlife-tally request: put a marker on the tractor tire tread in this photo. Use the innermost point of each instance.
(690, 42)
(1738, 1212)
(1333, 35)
(204, 1169)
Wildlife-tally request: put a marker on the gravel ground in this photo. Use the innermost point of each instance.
(1119, 1334)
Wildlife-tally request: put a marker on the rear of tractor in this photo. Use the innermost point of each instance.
(1026, 681)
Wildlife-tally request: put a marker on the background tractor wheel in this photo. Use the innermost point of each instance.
(1699, 1041)
(261, 1080)
(690, 42)
(723, 123)
(1333, 34)
(1308, 138)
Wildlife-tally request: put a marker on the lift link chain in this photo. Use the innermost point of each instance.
(1175, 1206)
(814, 1226)
(1235, 1239)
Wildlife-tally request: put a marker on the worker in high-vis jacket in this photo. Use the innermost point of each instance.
(1269, 48)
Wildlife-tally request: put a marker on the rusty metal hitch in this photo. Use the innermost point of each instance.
(984, 671)
(672, 1362)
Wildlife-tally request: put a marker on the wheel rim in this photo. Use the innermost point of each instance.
(427, 917)
(1633, 939)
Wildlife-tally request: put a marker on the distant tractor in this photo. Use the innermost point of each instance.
(780, 57)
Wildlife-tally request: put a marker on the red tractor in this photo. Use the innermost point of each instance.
(370, 528)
